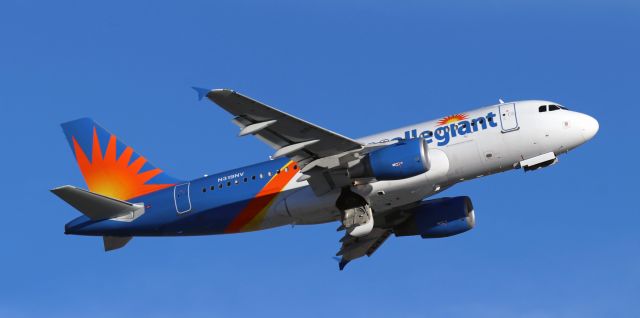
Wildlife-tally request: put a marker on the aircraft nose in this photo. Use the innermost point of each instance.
(589, 126)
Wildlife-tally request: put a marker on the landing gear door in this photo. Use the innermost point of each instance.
(508, 117)
(182, 198)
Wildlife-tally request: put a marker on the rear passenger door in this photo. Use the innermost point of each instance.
(182, 198)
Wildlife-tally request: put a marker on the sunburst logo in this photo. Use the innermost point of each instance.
(113, 175)
(452, 119)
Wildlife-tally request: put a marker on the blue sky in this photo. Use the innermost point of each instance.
(560, 242)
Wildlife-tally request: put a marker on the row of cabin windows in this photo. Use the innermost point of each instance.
(552, 107)
(246, 179)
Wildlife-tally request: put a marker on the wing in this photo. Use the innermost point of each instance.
(288, 135)
(356, 247)
(322, 155)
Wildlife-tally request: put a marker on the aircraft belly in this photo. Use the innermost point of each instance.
(493, 153)
(303, 206)
(465, 160)
(386, 195)
(521, 144)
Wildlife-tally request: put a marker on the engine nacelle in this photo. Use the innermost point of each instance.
(402, 160)
(439, 218)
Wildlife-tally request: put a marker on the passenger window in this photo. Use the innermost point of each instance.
(253, 177)
(553, 107)
(245, 179)
(236, 181)
(220, 186)
(295, 167)
(261, 176)
(542, 108)
(204, 189)
(269, 173)
(286, 169)
(228, 183)
(212, 188)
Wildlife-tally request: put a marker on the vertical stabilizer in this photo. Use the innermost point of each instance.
(110, 167)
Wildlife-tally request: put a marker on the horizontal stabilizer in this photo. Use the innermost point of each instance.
(115, 242)
(95, 206)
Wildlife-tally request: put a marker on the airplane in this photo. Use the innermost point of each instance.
(374, 186)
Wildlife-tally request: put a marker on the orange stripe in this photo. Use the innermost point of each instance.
(263, 198)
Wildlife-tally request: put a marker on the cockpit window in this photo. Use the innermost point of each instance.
(553, 107)
(542, 108)
(562, 107)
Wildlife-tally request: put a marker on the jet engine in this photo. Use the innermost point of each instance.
(438, 218)
(401, 160)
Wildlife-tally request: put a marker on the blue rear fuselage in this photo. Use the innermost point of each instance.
(221, 203)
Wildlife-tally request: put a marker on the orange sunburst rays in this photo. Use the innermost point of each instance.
(452, 119)
(115, 177)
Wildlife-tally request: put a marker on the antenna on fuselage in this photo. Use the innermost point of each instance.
(500, 100)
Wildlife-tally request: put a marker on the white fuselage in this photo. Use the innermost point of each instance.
(469, 145)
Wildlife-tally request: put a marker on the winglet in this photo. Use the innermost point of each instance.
(202, 92)
(341, 262)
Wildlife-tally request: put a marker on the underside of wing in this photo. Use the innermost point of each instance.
(356, 247)
(429, 219)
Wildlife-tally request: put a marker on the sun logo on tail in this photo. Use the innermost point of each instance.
(452, 119)
(113, 175)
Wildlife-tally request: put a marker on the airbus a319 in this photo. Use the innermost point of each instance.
(374, 186)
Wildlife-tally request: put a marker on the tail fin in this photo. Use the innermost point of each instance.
(109, 167)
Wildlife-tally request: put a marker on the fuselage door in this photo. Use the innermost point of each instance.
(182, 198)
(508, 117)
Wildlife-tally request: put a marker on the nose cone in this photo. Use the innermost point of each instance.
(589, 127)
